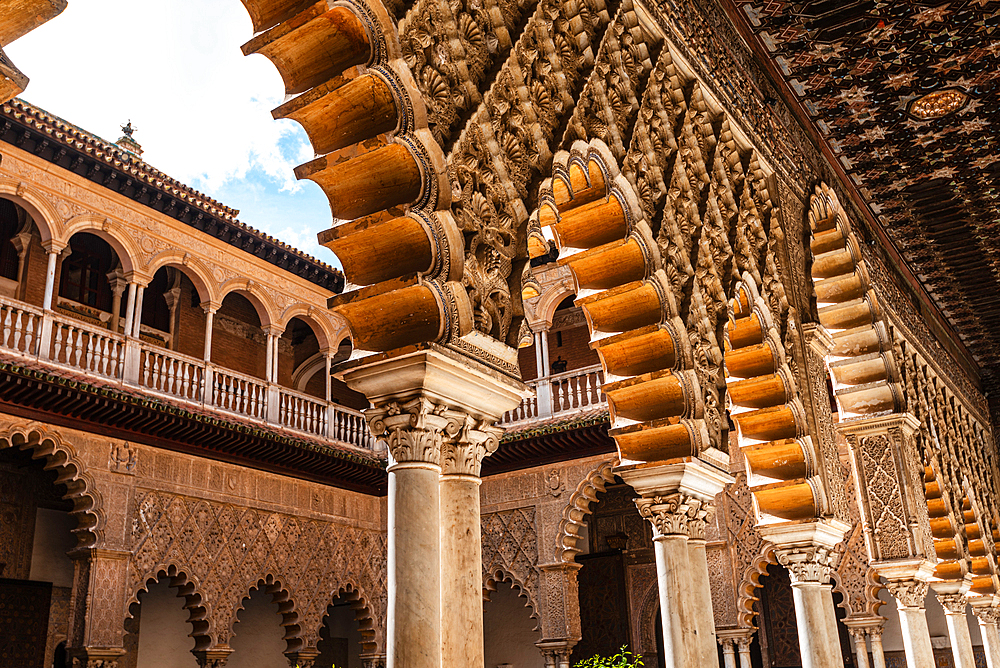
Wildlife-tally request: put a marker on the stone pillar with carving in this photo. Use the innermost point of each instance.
(870, 628)
(678, 500)
(97, 608)
(910, 594)
(461, 541)
(733, 641)
(559, 611)
(878, 654)
(425, 399)
(860, 646)
(988, 616)
(743, 647)
(951, 595)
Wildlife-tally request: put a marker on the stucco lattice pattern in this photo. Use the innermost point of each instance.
(226, 550)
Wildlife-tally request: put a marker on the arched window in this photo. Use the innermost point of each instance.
(8, 228)
(84, 275)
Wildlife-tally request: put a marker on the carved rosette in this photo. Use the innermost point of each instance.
(676, 514)
(909, 593)
(809, 564)
(463, 453)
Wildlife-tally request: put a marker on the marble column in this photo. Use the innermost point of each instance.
(878, 654)
(988, 617)
(210, 311)
(678, 500)
(954, 604)
(53, 250)
(809, 568)
(910, 595)
(860, 647)
(556, 654)
(743, 645)
(461, 542)
(427, 403)
(728, 652)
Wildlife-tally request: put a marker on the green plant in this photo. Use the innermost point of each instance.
(623, 659)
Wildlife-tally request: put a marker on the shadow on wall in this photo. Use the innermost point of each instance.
(508, 635)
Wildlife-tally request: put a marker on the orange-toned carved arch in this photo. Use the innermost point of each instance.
(379, 165)
(590, 210)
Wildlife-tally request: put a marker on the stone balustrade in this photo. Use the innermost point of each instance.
(48, 337)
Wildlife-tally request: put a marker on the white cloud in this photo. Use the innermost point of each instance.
(175, 69)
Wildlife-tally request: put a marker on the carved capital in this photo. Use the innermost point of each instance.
(212, 658)
(809, 563)
(953, 603)
(413, 431)
(987, 615)
(676, 514)
(909, 593)
(556, 653)
(373, 661)
(304, 658)
(464, 453)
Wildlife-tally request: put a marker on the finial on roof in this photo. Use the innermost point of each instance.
(127, 141)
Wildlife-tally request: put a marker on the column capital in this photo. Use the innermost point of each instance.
(303, 658)
(413, 431)
(95, 657)
(55, 246)
(212, 658)
(987, 614)
(953, 604)
(676, 514)
(373, 661)
(811, 563)
(210, 306)
(818, 338)
(908, 593)
(463, 453)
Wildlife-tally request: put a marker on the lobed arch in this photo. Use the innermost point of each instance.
(113, 233)
(577, 509)
(47, 219)
(381, 168)
(783, 465)
(188, 587)
(862, 363)
(255, 294)
(548, 301)
(499, 574)
(194, 268)
(746, 591)
(61, 457)
(280, 594)
(363, 615)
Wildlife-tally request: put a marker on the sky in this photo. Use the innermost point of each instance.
(201, 108)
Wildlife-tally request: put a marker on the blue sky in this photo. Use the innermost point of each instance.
(201, 108)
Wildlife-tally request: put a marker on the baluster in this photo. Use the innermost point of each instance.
(79, 358)
(29, 335)
(17, 331)
(6, 326)
(185, 379)
(57, 344)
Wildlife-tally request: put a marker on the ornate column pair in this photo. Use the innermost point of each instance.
(735, 642)
(807, 551)
(678, 499)
(435, 410)
(870, 629)
(910, 593)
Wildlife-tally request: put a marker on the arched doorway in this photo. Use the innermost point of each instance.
(159, 629)
(509, 631)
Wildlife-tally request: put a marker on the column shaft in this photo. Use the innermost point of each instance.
(701, 598)
(728, 653)
(209, 324)
(878, 654)
(414, 568)
(137, 314)
(991, 643)
(462, 579)
(813, 613)
(961, 639)
(860, 648)
(673, 580)
(744, 647)
(50, 279)
(916, 637)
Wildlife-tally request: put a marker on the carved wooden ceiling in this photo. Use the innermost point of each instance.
(905, 95)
